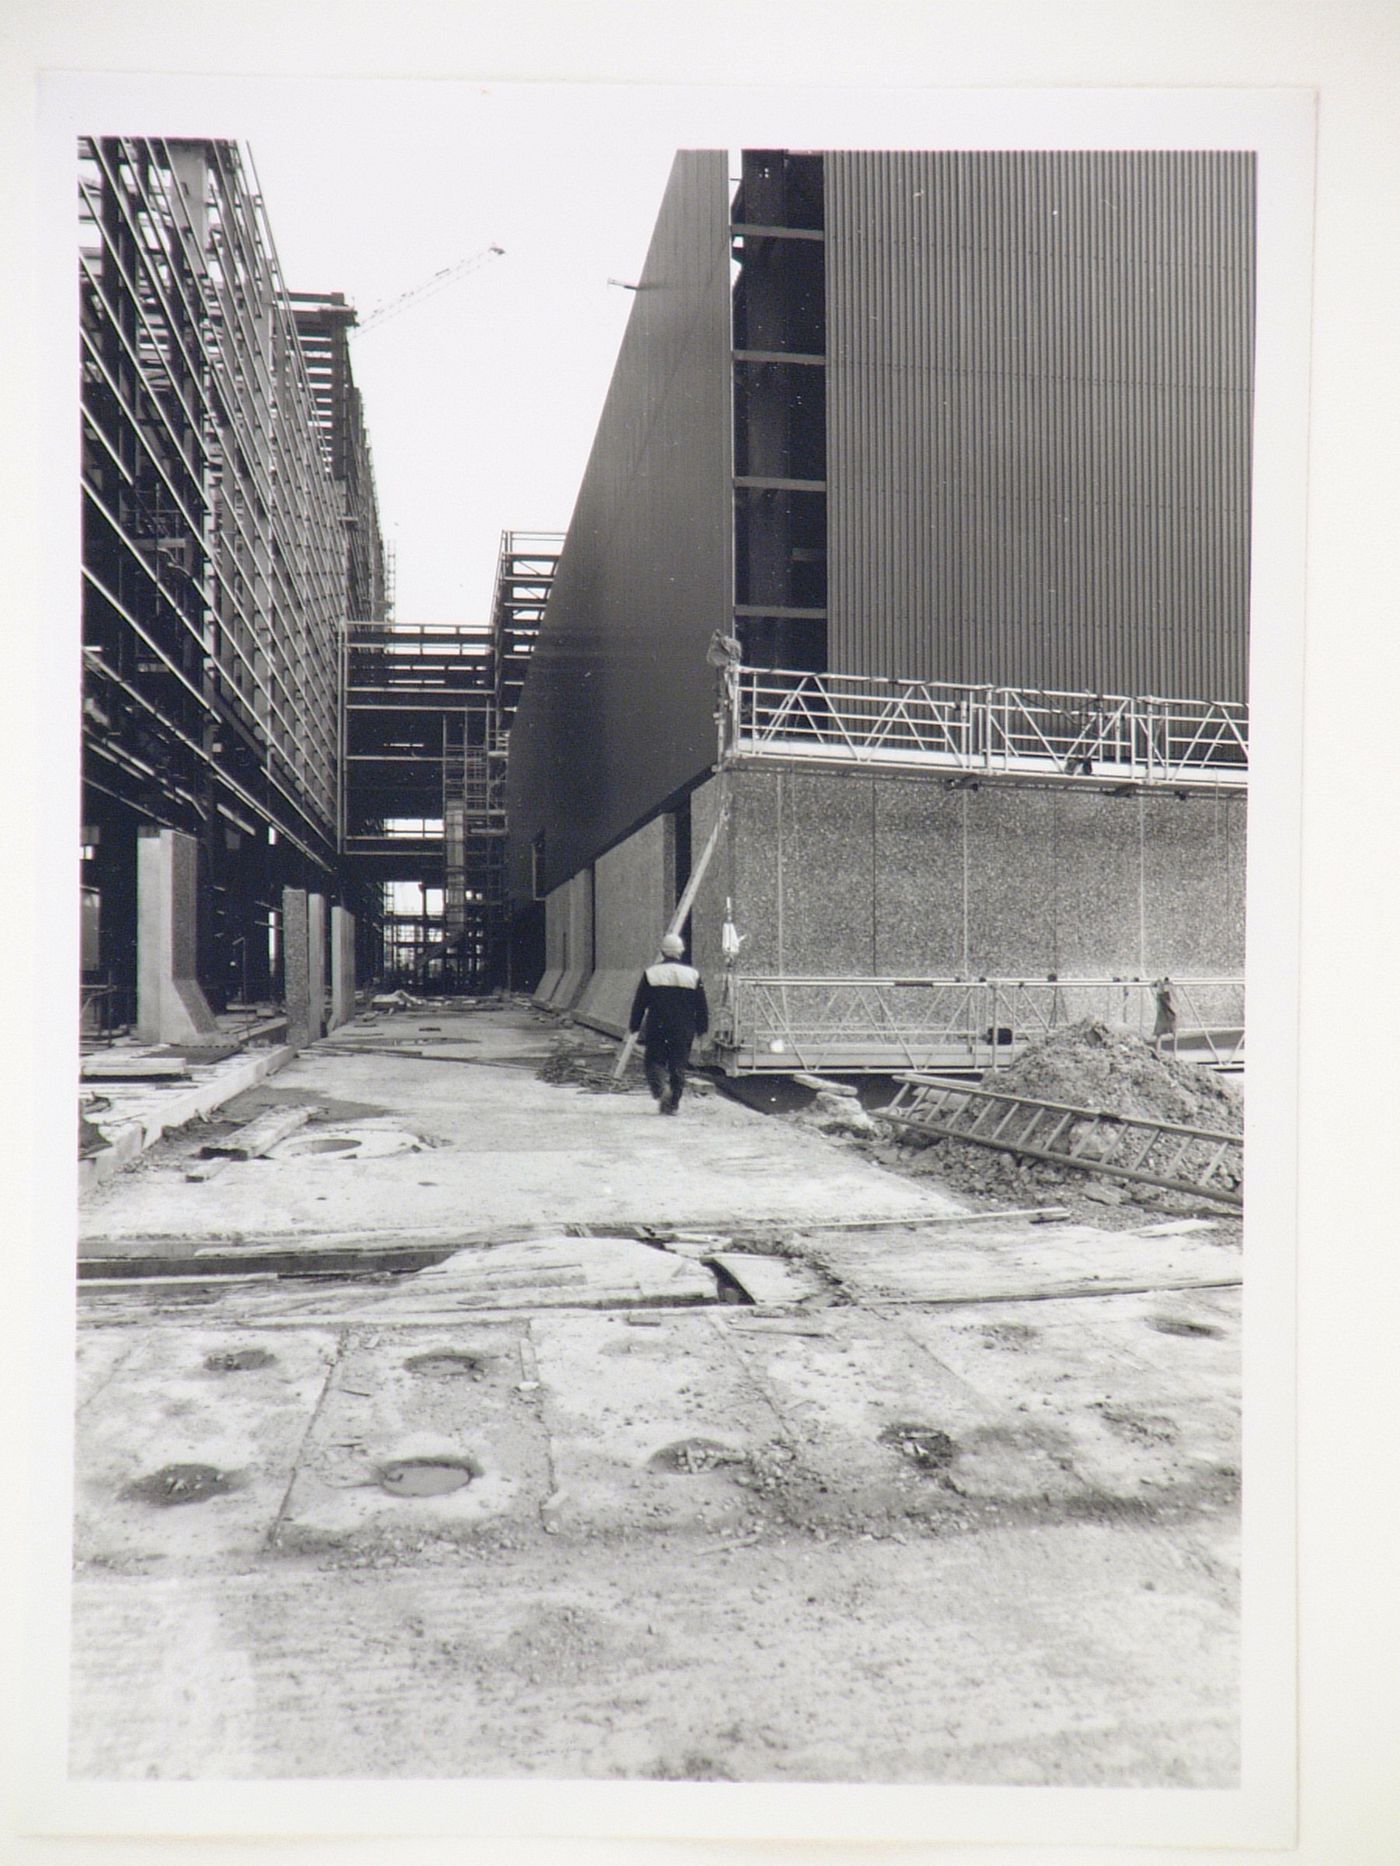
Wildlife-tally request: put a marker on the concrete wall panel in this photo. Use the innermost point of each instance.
(920, 922)
(1011, 882)
(556, 916)
(1187, 909)
(577, 917)
(634, 894)
(1096, 875)
(826, 853)
(754, 837)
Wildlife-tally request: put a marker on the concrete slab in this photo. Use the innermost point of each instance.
(169, 1403)
(983, 1261)
(615, 1398)
(572, 1157)
(402, 1399)
(140, 1115)
(986, 1543)
(1138, 1410)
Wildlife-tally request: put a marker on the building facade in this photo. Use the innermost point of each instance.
(229, 522)
(953, 451)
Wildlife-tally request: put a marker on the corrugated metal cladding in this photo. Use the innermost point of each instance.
(617, 710)
(1039, 415)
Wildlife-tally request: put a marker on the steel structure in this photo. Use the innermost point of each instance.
(214, 554)
(426, 719)
(418, 712)
(913, 724)
(525, 572)
(774, 1024)
(323, 324)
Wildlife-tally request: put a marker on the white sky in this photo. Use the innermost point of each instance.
(482, 400)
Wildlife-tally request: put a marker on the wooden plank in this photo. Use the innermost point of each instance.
(134, 1069)
(255, 1137)
(771, 1280)
(207, 1169)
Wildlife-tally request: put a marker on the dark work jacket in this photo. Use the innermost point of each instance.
(671, 997)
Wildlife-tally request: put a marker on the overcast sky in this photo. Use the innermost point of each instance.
(481, 399)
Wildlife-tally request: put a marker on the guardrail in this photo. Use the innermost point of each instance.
(779, 1024)
(852, 718)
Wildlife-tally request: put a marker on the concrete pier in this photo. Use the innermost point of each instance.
(170, 1004)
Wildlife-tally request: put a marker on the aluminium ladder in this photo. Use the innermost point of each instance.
(1197, 1160)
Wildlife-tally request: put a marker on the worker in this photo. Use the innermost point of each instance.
(670, 1002)
(1165, 1026)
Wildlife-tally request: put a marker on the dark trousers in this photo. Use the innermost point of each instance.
(664, 1063)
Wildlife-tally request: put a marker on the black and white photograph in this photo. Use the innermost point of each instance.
(686, 727)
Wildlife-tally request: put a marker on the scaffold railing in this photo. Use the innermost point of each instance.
(861, 719)
(780, 1023)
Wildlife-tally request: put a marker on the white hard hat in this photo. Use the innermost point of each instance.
(672, 945)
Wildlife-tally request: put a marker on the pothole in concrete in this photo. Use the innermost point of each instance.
(923, 1445)
(690, 1456)
(1175, 1325)
(238, 1360)
(426, 1477)
(180, 1483)
(448, 1363)
(346, 1143)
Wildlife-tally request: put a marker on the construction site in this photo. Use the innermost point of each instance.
(878, 1419)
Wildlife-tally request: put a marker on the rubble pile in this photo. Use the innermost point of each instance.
(1085, 1065)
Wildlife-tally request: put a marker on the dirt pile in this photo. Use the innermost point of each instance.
(1092, 1065)
(1085, 1065)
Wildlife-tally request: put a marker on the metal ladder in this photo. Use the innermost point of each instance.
(1197, 1160)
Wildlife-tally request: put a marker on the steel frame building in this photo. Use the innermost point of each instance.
(221, 481)
(427, 715)
(914, 549)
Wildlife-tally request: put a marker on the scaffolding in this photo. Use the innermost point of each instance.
(777, 1024)
(525, 571)
(858, 720)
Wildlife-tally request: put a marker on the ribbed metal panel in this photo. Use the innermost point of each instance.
(1039, 411)
(617, 710)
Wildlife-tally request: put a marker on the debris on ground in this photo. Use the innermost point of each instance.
(591, 1070)
(1085, 1065)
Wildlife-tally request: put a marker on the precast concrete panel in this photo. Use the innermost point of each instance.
(1039, 412)
(1188, 918)
(921, 880)
(634, 892)
(997, 880)
(556, 923)
(1011, 882)
(1097, 885)
(826, 853)
(616, 714)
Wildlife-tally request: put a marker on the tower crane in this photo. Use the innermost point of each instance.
(438, 282)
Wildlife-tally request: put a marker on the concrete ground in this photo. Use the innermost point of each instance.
(444, 1442)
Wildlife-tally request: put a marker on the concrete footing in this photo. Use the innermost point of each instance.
(170, 1004)
(342, 966)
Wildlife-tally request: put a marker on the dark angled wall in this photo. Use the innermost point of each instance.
(617, 709)
(1039, 385)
